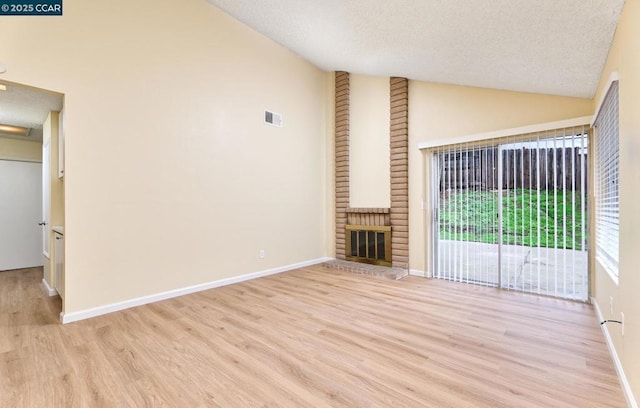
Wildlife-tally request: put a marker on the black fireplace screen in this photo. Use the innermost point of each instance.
(369, 244)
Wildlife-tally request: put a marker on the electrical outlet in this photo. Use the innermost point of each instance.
(610, 305)
(622, 324)
(261, 254)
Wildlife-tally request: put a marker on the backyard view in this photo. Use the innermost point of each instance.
(529, 217)
(513, 215)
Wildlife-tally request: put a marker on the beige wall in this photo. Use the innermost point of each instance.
(171, 177)
(330, 170)
(624, 58)
(14, 149)
(369, 177)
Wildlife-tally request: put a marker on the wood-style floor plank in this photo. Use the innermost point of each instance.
(312, 337)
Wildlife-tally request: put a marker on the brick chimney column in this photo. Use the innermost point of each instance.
(399, 140)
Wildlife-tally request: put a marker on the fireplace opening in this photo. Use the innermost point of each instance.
(369, 244)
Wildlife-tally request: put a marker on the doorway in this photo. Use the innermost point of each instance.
(513, 213)
(31, 136)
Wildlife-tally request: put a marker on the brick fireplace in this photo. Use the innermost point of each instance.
(368, 236)
(364, 234)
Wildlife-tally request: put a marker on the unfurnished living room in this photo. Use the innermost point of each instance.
(340, 203)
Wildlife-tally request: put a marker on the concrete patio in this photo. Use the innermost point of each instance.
(548, 271)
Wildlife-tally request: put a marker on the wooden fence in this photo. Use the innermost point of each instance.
(544, 169)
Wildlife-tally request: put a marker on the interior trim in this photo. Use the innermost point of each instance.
(496, 134)
(626, 387)
(612, 78)
(48, 290)
(114, 307)
(417, 272)
(18, 159)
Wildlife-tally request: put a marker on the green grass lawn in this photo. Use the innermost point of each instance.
(472, 216)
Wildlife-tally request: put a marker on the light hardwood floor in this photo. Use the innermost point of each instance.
(312, 337)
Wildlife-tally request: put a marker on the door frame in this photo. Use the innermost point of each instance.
(46, 199)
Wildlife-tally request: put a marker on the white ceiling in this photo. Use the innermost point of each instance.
(28, 107)
(543, 46)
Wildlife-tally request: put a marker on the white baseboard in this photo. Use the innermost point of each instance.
(48, 290)
(114, 307)
(626, 388)
(417, 272)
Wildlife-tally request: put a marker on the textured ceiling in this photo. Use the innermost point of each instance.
(542, 46)
(27, 107)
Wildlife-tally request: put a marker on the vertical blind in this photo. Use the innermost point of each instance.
(466, 227)
(607, 154)
(512, 212)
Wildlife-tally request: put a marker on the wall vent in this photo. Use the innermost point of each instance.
(272, 118)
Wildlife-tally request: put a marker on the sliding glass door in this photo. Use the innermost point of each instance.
(467, 230)
(513, 213)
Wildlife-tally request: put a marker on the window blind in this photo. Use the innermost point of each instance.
(607, 154)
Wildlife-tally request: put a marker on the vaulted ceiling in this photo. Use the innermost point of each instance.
(541, 46)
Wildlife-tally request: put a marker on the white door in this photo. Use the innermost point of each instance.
(20, 213)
